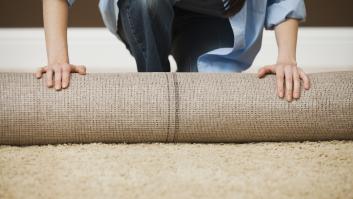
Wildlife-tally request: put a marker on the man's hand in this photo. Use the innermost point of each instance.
(61, 74)
(288, 75)
(287, 72)
(55, 16)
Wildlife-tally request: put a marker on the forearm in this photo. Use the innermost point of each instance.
(55, 15)
(286, 37)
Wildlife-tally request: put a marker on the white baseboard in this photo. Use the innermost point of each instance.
(23, 50)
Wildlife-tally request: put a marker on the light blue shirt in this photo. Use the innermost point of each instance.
(247, 26)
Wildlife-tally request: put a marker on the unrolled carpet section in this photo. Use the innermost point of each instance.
(274, 170)
(172, 107)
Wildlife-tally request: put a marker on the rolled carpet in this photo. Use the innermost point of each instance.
(173, 107)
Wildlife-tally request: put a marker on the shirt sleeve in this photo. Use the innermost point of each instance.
(70, 2)
(278, 11)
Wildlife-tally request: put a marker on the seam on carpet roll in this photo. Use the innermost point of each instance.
(168, 87)
(177, 105)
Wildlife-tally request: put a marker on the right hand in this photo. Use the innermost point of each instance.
(61, 74)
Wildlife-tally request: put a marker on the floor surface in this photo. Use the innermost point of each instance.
(253, 170)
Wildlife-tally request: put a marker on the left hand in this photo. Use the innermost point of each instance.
(291, 75)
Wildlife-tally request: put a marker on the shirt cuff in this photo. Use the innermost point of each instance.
(282, 10)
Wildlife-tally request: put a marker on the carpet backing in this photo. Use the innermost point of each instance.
(173, 107)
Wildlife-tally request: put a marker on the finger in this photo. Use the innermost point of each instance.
(58, 78)
(289, 82)
(66, 76)
(79, 69)
(50, 77)
(39, 72)
(280, 81)
(264, 70)
(296, 80)
(305, 79)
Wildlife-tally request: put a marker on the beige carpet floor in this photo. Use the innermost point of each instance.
(253, 170)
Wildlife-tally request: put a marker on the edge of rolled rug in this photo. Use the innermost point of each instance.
(173, 107)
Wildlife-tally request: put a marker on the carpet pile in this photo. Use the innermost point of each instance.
(156, 170)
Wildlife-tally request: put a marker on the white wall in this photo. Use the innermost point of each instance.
(23, 50)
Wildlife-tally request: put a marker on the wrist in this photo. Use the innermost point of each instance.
(58, 60)
(57, 55)
(286, 60)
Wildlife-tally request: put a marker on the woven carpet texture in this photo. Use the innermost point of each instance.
(173, 107)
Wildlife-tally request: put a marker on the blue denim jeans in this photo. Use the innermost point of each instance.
(154, 29)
